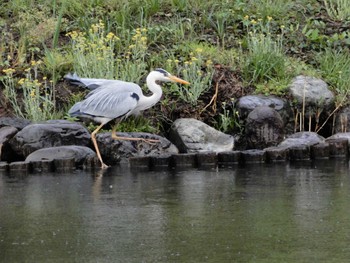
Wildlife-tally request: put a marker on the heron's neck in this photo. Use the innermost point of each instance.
(149, 101)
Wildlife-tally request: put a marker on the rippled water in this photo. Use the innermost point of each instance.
(257, 213)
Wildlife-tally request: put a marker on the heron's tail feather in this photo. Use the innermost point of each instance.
(83, 82)
(75, 79)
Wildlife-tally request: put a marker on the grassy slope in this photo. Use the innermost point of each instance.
(256, 46)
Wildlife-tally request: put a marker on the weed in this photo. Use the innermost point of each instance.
(338, 9)
(335, 68)
(192, 71)
(37, 103)
(229, 119)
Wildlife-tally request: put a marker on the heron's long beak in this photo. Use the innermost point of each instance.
(176, 79)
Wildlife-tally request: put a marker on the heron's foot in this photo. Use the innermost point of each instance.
(104, 166)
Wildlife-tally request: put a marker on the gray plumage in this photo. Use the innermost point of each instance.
(112, 99)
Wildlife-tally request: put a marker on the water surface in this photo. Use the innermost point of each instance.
(257, 213)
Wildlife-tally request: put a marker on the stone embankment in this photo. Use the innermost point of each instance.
(274, 132)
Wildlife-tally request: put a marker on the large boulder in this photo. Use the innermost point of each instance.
(312, 92)
(18, 123)
(246, 104)
(78, 153)
(48, 134)
(264, 128)
(116, 151)
(191, 135)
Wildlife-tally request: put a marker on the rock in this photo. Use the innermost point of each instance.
(313, 91)
(246, 104)
(78, 153)
(299, 153)
(191, 135)
(320, 151)
(302, 139)
(264, 128)
(183, 160)
(253, 156)
(49, 134)
(340, 135)
(229, 157)
(338, 147)
(206, 159)
(6, 133)
(115, 151)
(18, 123)
(276, 154)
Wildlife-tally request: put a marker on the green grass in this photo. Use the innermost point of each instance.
(265, 42)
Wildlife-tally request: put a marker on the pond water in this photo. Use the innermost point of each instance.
(258, 213)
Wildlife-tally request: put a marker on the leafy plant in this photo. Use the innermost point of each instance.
(229, 119)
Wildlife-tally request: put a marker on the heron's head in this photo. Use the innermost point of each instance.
(163, 75)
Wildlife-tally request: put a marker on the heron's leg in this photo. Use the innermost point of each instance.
(116, 137)
(93, 138)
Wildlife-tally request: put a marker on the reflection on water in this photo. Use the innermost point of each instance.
(258, 213)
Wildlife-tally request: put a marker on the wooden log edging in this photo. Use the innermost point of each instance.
(334, 148)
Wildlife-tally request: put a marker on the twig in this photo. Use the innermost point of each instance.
(213, 99)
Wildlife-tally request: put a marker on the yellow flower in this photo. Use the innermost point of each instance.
(110, 35)
(21, 81)
(253, 21)
(209, 62)
(269, 18)
(9, 71)
(246, 17)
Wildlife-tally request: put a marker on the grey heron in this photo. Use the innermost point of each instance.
(112, 99)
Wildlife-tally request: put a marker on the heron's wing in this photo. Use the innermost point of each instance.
(90, 83)
(108, 102)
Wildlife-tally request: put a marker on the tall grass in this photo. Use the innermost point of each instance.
(338, 9)
(335, 69)
(265, 59)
